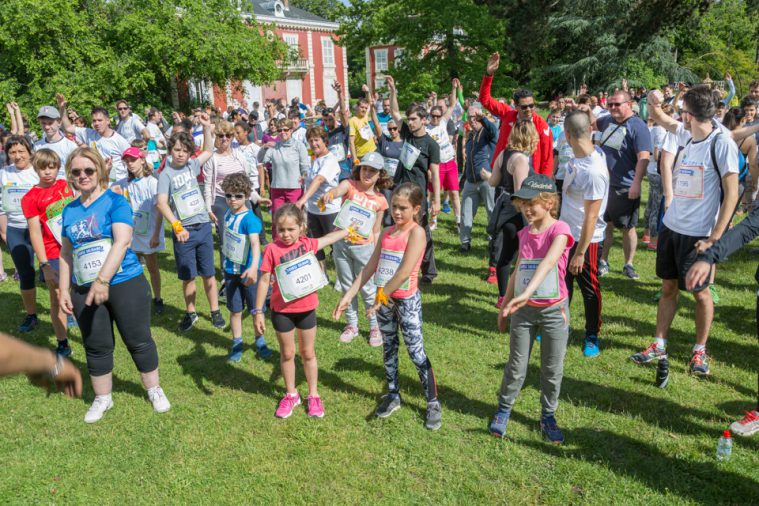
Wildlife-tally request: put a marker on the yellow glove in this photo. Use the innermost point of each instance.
(177, 226)
(320, 202)
(380, 298)
(353, 236)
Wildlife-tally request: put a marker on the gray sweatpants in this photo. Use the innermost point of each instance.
(552, 325)
(349, 260)
(471, 196)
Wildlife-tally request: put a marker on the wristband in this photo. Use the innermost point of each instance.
(177, 226)
(44, 264)
(356, 161)
(102, 281)
(55, 371)
(257, 310)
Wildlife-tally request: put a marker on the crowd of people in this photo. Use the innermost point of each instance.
(370, 183)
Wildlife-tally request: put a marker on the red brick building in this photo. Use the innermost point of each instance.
(379, 61)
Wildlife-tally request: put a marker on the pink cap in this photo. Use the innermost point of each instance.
(133, 153)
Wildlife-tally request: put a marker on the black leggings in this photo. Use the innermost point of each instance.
(128, 305)
(20, 247)
(508, 250)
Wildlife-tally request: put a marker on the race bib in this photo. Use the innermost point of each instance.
(689, 182)
(338, 150)
(446, 152)
(361, 218)
(188, 203)
(366, 133)
(548, 289)
(55, 225)
(12, 195)
(89, 259)
(389, 262)
(141, 222)
(409, 155)
(565, 154)
(300, 277)
(235, 246)
(614, 136)
(391, 165)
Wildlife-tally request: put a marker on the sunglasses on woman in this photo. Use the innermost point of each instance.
(89, 172)
(225, 136)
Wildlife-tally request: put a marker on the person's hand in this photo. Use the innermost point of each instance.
(624, 84)
(667, 202)
(501, 320)
(704, 244)
(583, 89)
(513, 305)
(576, 263)
(60, 100)
(205, 120)
(634, 191)
(260, 324)
(154, 241)
(390, 82)
(97, 295)
(337, 86)
(250, 275)
(340, 308)
(264, 202)
(697, 274)
(64, 301)
(484, 174)
(655, 98)
(10, 108)
(213, 219)
(108, 164)
(435, 208)
(50, 275)
(456, 83)
(182, 236)
(68, 381)
(493, 62)
(728, 77)
(681, 86)
(365, 88)
(300, 203)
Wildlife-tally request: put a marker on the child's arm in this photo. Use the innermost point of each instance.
(38, 245)
(157, 229)
(263, 288)
(365, 275)
(337, 192)
(251, 273)
(417, 241)
(332, 238)
(162, 204)
(507, 297)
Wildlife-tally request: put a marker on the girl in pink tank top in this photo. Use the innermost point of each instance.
(394, 267)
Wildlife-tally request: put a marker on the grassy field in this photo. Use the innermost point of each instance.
(627, 442)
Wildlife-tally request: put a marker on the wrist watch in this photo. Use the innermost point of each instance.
(44, 264)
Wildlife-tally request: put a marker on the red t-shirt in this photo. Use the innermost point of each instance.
(47, 203)
(276, 253)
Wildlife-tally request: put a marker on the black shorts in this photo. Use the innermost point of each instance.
(675, 254)
(320, 225)
(285, 322)
(620, 210)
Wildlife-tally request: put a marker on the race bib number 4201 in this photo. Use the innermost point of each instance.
(357, 216)
(548, 289)
(299, 277)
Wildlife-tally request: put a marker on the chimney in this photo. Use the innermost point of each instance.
(286, 4)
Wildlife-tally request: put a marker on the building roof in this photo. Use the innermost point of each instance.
(267, 9)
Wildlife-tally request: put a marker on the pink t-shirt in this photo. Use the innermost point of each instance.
(376, 202)
(392, 252)
(532, 249)
(276, 253)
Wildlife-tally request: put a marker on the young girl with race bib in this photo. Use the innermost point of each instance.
(290, 262)
(394, 267)
(242, 258)
(141, 191)
(365, 206)
(43, 208)
(536, 299)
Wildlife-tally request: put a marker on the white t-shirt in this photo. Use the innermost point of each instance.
(63, 148)
(157, 136)
(300, 135)
(329, 168)
(658, 134)
(440, 135)
(696, 182)
(109, 147)
(130, 128)
(22, 181)
(585, 179)
(565, 154)
(142, 195)
(250, 153)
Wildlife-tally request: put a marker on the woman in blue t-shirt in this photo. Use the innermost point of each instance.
(101, 281)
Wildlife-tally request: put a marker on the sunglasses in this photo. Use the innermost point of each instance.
(616, 104)
(283, 130)
(123, 108)
(89, 172)
(237, 196)
(392, 129)
(436, 116)
(527, 107)
(225, 136)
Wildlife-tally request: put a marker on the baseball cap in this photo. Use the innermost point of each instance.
(533, 186)
(48, 111)
(373, 160)
(133, 152)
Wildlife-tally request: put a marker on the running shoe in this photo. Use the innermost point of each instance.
(715, 295)
(603, 268)
(446, 207)
(188, 322)
(389, 405)
(499, 302)
(262, 349)
(375, 337)
(235, 352)
(217, 320)
(492, 278)
(63, 349)
(315, 406)
(433, 224)
(550, 430)
(651, 246)
(590, 347)
(349, 333)
(434, 416)
(29, 323)
(287, 405)
(646, 239)
(465, 247)
(651, 353)
(100, 405)
(498, 424)
(747, 426)
(158, 306)
(629, 271)
(699, 363)
(160, 402)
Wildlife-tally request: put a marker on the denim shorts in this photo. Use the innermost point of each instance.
(239, 295)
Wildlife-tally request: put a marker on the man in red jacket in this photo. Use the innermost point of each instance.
(542, 158)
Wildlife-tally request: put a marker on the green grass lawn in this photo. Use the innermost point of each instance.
(626, 441)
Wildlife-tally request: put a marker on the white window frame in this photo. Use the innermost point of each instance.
(377, 66)
(328, 52)
(293, 42)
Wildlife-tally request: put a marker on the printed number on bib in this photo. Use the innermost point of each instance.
(391, 165)
(409, 155)
(300, 277)
(338, 150)
(141, 222)
(548, 289)
(689, 182)
(12, 195)
(89, 259)
(446, 152)
(188, 203)
(613, 137)
(366, 132)
(389, 262)
(235, 246)
(358, 216)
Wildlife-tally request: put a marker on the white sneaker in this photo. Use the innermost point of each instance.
(160, 402)
(100, 405)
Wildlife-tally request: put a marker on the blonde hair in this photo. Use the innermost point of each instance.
(97, 160)
(523, 137)
(44, 158)
(549, 200)
(224, 127)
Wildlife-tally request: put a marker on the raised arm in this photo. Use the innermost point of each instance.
(373, 111)
(451, 99)
(66, 123)
(487, 101)
(730, 89)
(669, 123)
(395, 112)
(345, 113)
(207, 152)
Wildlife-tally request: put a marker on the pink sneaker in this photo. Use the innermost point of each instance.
(375, 337)
(287, 405)
(349, 332)
(499, 302)
(315, 406)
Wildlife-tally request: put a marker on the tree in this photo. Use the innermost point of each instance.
(332, 10)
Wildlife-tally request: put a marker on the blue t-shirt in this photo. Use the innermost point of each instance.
(621, 143)
(84, 225)
(243, 223)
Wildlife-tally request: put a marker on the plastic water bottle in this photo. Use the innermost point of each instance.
(662, 373)
(725, 446)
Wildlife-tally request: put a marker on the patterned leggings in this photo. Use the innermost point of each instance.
(406, 313)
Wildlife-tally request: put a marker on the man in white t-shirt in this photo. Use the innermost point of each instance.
(704, 197)
(101, 136)
(585, 192)
(50, 122)
(154, 129)
(130, 127)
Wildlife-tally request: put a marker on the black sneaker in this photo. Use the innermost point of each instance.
(158, 306)
(63, 349)
(465, 247)
(217, 320)
(188, 322)
(629, 271)
(550, 430)
(389, 405)
(434, 416)
(29, 323)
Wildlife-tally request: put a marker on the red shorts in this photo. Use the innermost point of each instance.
(449, 177)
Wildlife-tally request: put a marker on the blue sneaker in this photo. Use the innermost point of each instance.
(590, 346)
(29, 323)
(446, 207)
(71, 322)
(550, 430)
(262, 349)
(499, 423)
(235, 352)
(63, 349)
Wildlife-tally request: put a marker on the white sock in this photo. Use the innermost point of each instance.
(698, 347)
(106, 397)
(661, 343)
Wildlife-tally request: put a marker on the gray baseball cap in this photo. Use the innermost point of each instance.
(533, 186)
(373, 160)
(48, 111)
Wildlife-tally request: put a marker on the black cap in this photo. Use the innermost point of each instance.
(533, 186)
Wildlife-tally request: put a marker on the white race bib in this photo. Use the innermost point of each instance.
(89, 259)
(300, 277)
(235, 246)
(12, 195)
(391, 165)
(409, 154)
(361, 218)
(565, 154)
(141, 222)
(389, 261)
(446, 152)
(689, 182)
(366, 133)
(614, 136)
(55, 225)
(338, 150)
(188, 203)
(548, 289)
